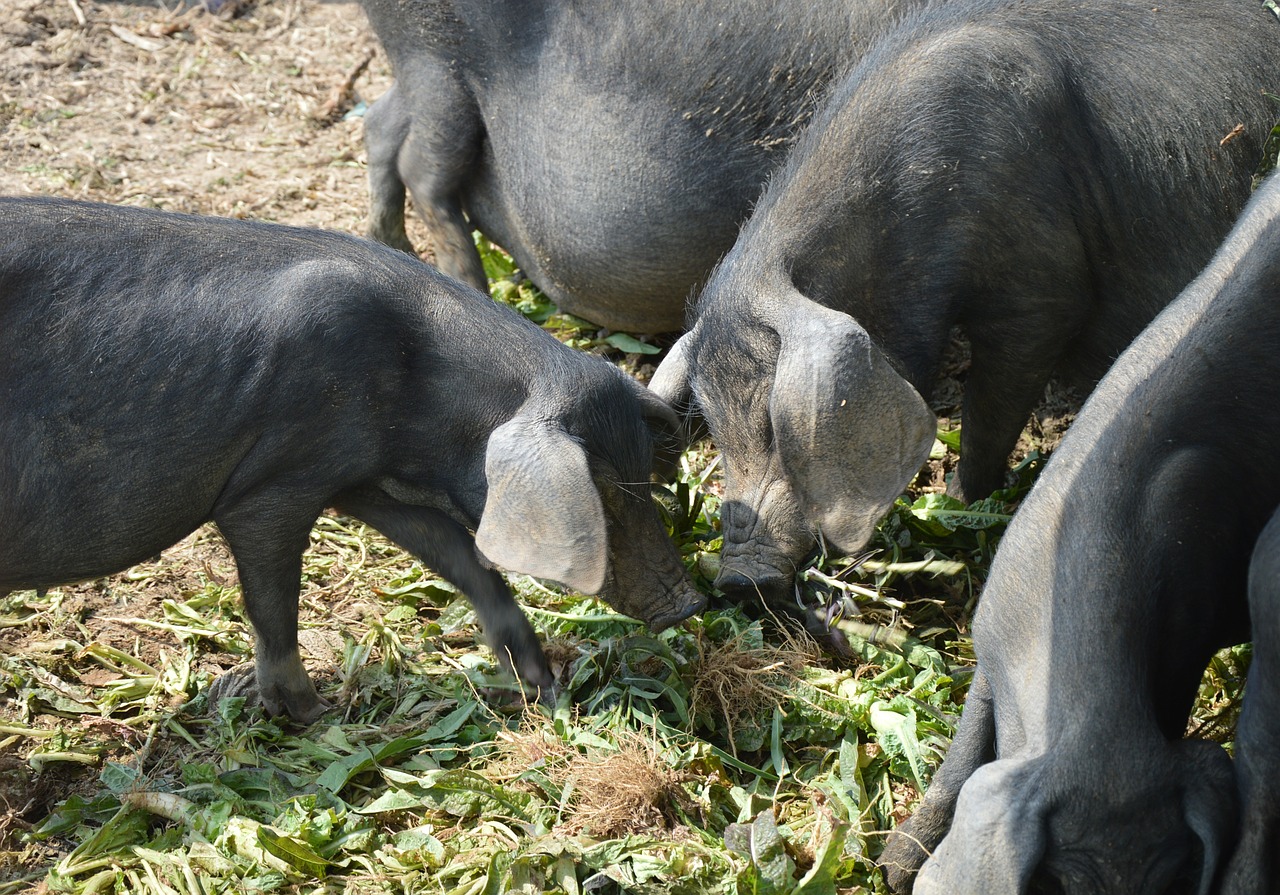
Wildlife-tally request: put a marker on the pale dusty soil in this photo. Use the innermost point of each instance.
(188, 111)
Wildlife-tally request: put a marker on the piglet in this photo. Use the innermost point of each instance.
(158, 371)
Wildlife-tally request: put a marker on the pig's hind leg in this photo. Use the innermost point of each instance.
(267, 543)
(427, 136)
(386, 128)
(449, 549)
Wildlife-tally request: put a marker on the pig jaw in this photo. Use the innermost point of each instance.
(659, 598)
(768, 537)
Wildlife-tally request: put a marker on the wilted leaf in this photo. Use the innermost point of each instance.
(294, 853)
(820, 880)
(897, 729)
(770, 870)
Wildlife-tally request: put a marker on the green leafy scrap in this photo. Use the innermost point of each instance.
(769, 869)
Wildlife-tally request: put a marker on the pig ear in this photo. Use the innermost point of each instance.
(996, 838)
(851, 432)
(668, 434)
(1209, 803)
(672, 385)
(542, 514)
(671, 381)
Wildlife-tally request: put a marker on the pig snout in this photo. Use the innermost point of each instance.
(742, 578)
(762, 551)
(677, 604)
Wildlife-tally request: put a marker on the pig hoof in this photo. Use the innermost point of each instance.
(546, 696)
(303, 705)
(238, 681)
(521, 696)
(536, 682)
(307, 715)
(520, 655)
(304, 708)
(901, 859)
(286, 689)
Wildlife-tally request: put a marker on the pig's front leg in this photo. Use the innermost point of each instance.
(267, 543)
(448, 548)
(1008, 372)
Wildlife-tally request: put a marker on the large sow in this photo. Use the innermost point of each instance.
(158, 371)
(613, 148)
(1048, 175)
(1125, 568)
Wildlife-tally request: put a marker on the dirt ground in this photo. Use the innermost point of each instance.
(249, 113)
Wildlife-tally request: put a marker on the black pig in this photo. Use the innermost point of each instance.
(1125, 568)
(158, 371)
(1047, 175)
(1255, 867)
(613, 148)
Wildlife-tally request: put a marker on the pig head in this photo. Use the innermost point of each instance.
(1155, 826)
(818, 431)
(575, 508)
(1047, 221)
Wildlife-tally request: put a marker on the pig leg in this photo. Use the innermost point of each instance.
(1006, 378)
(448, 548)
(431, 147)
(1253, 869)
(912, 843)
(386, 128)
(267, 546)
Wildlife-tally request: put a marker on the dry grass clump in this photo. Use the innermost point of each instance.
(605, 795)
(534, 744)
(737, 682)
(625, 792)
